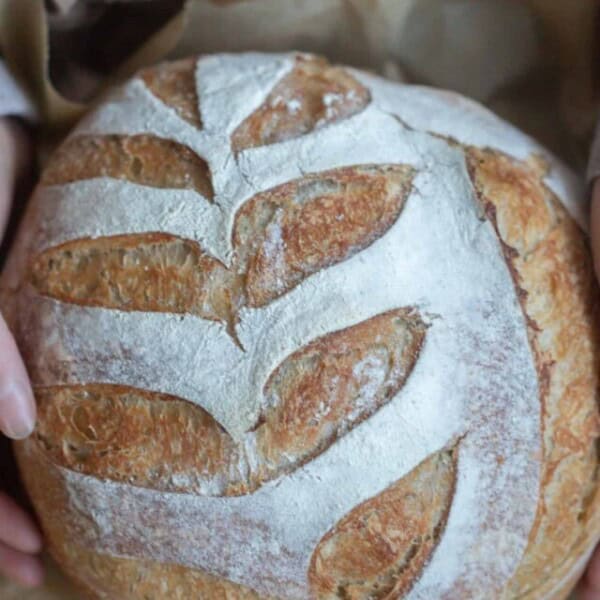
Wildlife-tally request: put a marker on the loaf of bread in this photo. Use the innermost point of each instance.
(298, 332)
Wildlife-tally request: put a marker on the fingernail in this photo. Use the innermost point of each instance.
(17, 410)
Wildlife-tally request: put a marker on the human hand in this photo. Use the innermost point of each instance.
(20, 540)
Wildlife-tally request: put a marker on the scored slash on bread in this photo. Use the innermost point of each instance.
(174, 84)
(397, 530)
(313, 95)
(143, 159)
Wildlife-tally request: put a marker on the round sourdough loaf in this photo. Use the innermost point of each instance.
(298, 332)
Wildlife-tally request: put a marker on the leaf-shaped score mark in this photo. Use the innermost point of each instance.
(174, 84)
(290, 232)
(313, 95)
(280, 237)
(143, 159)
(145, 272)
(323, 390)
(312, 398)
(378, 550)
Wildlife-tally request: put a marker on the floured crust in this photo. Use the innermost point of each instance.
(157, 441)
(312, 96)
(551, 264)
(102, 577)
(291, 232)
(281, 236)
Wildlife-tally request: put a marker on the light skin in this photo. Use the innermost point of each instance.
(20, 540)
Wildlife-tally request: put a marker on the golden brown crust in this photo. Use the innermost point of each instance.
(144, 159)
(174, 83)
(313, 95)
(131, 435)
(551, 266)
(378, 550)
(145, 272)
(158, 441)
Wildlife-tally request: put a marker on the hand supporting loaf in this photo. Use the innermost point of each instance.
(19, 538)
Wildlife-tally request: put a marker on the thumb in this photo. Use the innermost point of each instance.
(17, 406)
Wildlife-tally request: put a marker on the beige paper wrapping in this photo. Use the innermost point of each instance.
(532, 61)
